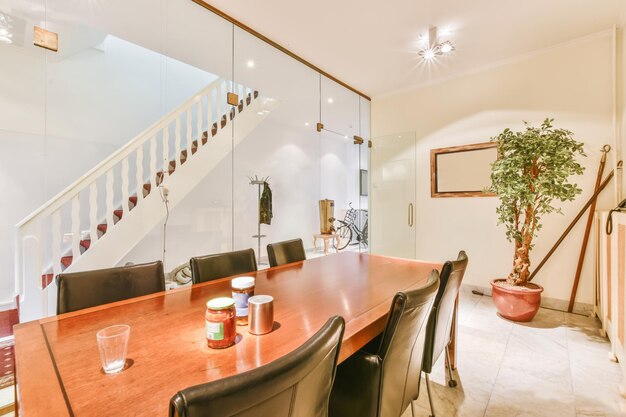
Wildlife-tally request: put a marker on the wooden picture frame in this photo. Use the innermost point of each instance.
(436, 189)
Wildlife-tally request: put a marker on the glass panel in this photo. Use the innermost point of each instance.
(199, 62)
(340, 108)
(393, 195)
(364, 162)
(340, 177)
(104, 87)
(22, 125)
(340, 163)
(275, 137)
(114, 77)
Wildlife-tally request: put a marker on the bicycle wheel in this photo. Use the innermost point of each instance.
(345, 236)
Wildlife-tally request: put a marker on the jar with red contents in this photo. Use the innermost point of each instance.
(221, 327)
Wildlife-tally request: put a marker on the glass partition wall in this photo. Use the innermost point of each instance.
(129, 107)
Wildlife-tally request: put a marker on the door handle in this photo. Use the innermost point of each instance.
(410, 214)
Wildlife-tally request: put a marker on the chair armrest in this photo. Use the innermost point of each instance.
(356, 389)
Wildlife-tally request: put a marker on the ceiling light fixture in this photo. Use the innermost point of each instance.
(250, 64)
(435, 48)
(330, 100)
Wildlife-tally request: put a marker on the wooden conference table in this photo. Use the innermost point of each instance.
(58, 367)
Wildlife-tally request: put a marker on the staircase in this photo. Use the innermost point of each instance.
(98, 219)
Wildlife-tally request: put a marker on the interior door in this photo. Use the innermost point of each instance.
(393, 195)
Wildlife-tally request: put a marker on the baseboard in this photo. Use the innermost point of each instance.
(7, 305)
(546, 302)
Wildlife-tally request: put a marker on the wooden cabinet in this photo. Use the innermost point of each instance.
(610, 288)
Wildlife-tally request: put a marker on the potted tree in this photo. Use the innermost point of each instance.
(531, 173)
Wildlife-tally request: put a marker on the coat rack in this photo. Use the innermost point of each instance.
(258, 182)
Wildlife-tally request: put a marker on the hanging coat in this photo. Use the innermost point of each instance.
(265, 206)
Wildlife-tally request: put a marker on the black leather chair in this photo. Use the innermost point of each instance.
(78, 290)
(220, 265)
(298, 384)
(286, 252)
(439, 326)
(381, 380)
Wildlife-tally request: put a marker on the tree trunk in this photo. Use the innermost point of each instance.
(521, 261)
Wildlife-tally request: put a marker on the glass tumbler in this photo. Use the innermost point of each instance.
(113, 345)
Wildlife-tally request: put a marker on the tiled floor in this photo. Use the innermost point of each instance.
(555, 366)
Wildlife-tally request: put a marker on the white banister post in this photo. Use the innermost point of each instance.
(189, 136)
(209, 114)
(199, 119)
(139, 174)
(153, 164)
(19, 267)
(125, 186)
(93, 212)
(218, 105)
(166, 151)
(75, 221)
(177, 141)
(56, 243)
(108, 198)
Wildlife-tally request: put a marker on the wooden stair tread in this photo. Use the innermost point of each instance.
(67, 260)
(46, 279)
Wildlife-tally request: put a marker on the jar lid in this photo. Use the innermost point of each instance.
(241, 283)
(221, 303)
(260, 299)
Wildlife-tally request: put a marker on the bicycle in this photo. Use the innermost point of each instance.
(348, 227)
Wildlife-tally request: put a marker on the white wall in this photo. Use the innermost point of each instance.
(571, 83)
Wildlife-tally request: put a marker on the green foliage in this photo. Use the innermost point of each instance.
(532, 172)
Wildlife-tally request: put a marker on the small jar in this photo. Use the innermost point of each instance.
(221, 329)
(242, 289)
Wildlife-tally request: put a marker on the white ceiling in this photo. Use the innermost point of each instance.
(373, 45)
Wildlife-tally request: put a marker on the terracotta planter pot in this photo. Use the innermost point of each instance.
(516, 304)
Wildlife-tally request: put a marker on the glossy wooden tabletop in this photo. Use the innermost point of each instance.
(58, 367)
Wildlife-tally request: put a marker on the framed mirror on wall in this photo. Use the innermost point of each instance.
(462, 171)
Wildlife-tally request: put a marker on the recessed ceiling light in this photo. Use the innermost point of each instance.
(250, 63)
(330, 99)
(306, 124)
(345, 137)
(260, 113)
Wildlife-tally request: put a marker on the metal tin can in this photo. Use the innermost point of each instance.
(261, 314)
(221, 329)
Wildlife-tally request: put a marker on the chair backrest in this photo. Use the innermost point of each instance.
(298, 384)
(402, 346)
(439, 326)
(78, 290)
(210, 267)
(286, 252)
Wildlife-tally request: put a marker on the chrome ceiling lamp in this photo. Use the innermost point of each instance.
(435, 48)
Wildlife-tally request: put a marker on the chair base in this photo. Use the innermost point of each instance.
(451, 381)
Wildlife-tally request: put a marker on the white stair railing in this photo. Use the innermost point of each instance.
(54, 236)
